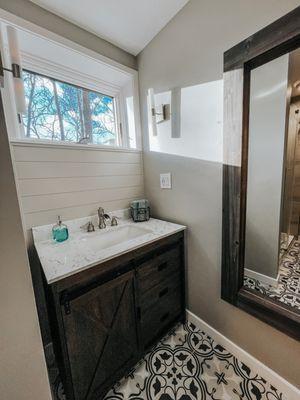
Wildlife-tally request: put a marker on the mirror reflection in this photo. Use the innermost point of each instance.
(272, 241)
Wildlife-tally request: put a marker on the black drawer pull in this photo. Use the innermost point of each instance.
(164, 317)
(163, 292)
(162, 266)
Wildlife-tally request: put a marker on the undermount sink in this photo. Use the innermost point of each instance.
(104, 239)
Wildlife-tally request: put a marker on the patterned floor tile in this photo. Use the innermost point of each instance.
(187, 365)
(288, 289)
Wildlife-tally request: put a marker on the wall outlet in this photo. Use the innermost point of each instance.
(165, 181)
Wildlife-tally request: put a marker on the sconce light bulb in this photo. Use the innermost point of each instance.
(15, 58)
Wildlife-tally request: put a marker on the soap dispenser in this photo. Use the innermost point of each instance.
(60, 231)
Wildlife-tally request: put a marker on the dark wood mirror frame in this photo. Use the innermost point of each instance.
(278, 38)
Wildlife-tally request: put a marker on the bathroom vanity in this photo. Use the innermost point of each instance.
(108, 305)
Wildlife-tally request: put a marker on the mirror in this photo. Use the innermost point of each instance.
(272, 226)
(261, 175)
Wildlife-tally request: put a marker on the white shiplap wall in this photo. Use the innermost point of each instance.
(63, 180)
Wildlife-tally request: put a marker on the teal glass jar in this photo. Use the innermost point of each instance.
(60, 231)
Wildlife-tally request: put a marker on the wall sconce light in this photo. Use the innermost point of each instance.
(156, 114)
(164, 112)
(151, 113)
(16, 70)
(161, 112)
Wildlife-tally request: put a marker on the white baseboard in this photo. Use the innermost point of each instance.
(262, 278)
(289, 391)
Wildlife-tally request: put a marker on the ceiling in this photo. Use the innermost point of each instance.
(129, 24)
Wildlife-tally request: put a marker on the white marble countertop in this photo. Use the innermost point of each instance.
(84, 250)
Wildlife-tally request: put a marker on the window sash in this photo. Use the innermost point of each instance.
(119, 142)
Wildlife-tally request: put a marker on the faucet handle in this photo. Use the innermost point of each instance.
(114, 221)
(89, 226)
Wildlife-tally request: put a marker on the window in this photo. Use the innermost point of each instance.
(60, 111)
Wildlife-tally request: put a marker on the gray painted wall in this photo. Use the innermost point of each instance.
(268, 103)
(23, 370)
(37, 15)
(189, 51)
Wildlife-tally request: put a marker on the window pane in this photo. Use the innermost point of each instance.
(41, 120)
(103, 119)
(68, 101)
(60, 111)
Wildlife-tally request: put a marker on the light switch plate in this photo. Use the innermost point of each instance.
(165, 181)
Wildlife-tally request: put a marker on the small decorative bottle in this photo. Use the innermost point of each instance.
(60, 231)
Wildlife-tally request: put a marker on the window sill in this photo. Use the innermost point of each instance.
(72, 146)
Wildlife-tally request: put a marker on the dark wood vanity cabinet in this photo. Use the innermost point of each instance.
(104, 318)
(160, 291)
(96, 323)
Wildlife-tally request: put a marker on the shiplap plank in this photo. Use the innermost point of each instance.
(33, 187)
(55, 201)
(52, 154)
(50, 216)
(26, 170)
(74, 182)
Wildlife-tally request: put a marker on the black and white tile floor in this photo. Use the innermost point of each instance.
(288, 289)
(187, 365)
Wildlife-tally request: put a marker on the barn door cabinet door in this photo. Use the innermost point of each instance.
(101, 335)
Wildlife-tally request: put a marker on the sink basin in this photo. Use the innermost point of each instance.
(105, 239)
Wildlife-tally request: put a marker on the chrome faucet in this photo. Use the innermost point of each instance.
(102, 217)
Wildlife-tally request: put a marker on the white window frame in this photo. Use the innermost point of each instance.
(55, 70)
(84, 81)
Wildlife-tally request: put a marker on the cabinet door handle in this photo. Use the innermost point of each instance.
(162, 266)
(163, 292)
(65, 302)
(164, 317)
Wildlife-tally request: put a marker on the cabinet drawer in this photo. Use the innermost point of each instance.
(152, 272)
(156, 295)
(160, 315)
